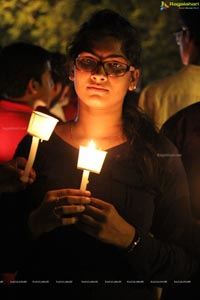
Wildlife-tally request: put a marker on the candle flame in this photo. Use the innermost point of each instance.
(91, 145)
(90, 158)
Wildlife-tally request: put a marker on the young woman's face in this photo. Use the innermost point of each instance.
(97, 88)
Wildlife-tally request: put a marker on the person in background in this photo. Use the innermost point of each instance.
(163, 98)
(10, 173)
(64, 100)
(25, 84)
(183, 129)
(133, 223)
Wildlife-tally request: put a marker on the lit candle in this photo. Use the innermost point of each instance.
(89, 160)
(41, 127)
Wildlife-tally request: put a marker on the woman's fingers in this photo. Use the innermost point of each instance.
(68, 215)
(59, 207)
(68, 196)
(95, 213)
(68, 210)
(70, 200)
(62, 193)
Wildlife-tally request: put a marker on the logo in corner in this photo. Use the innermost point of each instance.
(164, 5)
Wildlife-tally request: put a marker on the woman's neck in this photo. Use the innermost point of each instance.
(103, 126)
(103, 139)
(98, 124)
(105, 129)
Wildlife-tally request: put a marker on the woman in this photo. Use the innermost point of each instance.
(127, 227)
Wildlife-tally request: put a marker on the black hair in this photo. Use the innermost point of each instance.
(107, 23)
(19, 63)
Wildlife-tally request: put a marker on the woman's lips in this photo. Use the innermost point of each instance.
(97, 88)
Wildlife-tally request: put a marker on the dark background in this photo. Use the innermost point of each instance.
(50, 23)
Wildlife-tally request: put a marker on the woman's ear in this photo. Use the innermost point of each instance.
(71, 75)
(134, 79)
(71, 71)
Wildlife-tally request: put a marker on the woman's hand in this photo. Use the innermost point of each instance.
(102, 221)
(59, 207)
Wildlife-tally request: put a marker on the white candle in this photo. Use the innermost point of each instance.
(84, 180)
(31, 158)
(89, 160)
(41, 127)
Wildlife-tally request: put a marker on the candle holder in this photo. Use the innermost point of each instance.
(40, 127)
(90, 160)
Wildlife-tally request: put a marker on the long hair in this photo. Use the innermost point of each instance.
(144, 139)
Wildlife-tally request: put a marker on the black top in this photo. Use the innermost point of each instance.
(158, 205)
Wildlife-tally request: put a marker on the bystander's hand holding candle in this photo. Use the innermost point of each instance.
(10, 173)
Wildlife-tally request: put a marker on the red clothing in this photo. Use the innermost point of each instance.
(14, 119)
(70, 110)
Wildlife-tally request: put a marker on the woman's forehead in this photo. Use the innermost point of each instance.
(105, 46)
(107, 43)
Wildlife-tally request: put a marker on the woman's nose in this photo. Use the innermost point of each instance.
(99, 74)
